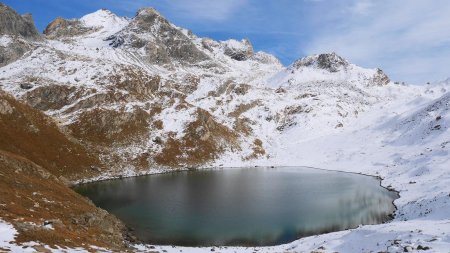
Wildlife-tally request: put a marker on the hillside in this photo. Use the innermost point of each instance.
(35, 197)
(148, 94)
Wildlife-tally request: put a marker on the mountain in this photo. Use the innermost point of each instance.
(105, 96)
(145, 93)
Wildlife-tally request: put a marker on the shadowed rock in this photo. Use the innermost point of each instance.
(60, 28)
(162, 41)
(13, 51)
(17, 30)
(331, 62)
(14, 24)
(239, 51)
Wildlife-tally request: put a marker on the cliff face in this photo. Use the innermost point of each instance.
(16, 32)
(14, 24)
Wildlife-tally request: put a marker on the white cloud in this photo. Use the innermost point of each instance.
(409, 38)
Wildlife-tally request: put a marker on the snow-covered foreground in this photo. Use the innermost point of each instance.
(7, 244)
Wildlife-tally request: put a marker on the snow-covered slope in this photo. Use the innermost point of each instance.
(147, 95)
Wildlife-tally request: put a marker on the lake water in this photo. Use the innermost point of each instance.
(246, 207)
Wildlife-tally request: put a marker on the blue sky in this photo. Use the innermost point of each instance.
(409, 39)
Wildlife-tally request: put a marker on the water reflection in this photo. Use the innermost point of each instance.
(251, 206)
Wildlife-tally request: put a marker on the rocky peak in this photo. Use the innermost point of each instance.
(14, 24)
(331, 62)
(62, 28)
(104, 18)
(162, 42)
(147, 18)
(148, 11)
(101, 20)
(380, 78)
(238, 50)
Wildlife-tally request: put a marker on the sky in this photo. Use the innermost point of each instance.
(408, 39)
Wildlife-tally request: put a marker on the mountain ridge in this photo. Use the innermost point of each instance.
(142, 74)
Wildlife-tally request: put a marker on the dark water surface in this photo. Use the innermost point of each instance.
(248, 206)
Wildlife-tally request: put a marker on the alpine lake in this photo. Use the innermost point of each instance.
(242, 206)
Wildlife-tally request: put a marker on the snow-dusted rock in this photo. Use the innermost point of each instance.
(238, 50)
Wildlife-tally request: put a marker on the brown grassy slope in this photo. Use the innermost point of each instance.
(104, 127)
(204, 140)
(29, 133)
(30, 195)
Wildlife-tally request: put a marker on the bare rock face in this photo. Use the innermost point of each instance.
(14, 24)
(331, 62)
(17, 30)
(239, 51)
(380, 78)
(51, 97)
(162, 41)
(13, 51)
(61, 28)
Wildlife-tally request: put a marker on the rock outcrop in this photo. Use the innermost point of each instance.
(64, 28)
(239, 51)
(330, 62)
(14, 24)
(12, 50)
(16, 32)
(162, 42)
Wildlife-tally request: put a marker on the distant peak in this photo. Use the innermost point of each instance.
(238, 50)
(148, 11)
(329, 61)
(98, 15)
(102, 18)
(147, 17)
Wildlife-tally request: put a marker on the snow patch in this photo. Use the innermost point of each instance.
(104, 19)
(5, 40)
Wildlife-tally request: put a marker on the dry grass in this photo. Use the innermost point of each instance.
(29, 133)
(106, 127)
(258, 150)
(30, 196)
(136, 82)
(203, 141)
